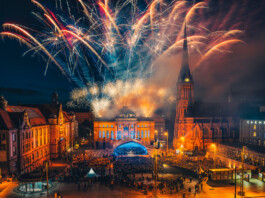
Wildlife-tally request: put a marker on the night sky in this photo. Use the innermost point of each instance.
(22, 78)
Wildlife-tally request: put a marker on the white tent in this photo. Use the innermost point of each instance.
(91, 174)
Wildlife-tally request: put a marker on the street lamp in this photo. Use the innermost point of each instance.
(214, 151)
(166, 134)
(182, 138)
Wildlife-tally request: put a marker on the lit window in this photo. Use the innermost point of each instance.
(187, 80)
(14, 137)
(255, 127)
(251, 122)
(254, 134)
(256, 122)
(260, 122)
(248, 122)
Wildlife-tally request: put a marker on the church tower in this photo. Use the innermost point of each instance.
(185, 98)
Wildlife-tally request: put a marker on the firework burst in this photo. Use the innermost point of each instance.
(111, 49)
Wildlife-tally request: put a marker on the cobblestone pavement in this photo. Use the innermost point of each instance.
(254, 188)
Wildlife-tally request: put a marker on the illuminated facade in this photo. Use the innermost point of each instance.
(252, 132)
(125, 125)
(33, 134)
(198, 125)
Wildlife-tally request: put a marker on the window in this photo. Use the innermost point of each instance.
(112, 135)
(3, 137)
(14, 137)
(138, 126)
(142, 125)
(103, 134)
(2, 147)
(138, 135)
(142, 134)
(145, 134)
(148, 133)
(119, 126)
(255, 127)
(107, 126)
(99, 134)
(254, 134)
(103, 125)
(111, 126)
(132, 126)
(14, 151)
(107, 134)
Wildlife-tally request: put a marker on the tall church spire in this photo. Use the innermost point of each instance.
(185, 75)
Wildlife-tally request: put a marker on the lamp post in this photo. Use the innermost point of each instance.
(241, 192)
(214, 153)
(157, 146)
(166, 134)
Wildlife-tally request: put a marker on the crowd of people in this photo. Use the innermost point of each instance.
(194, 165)
(127, 165)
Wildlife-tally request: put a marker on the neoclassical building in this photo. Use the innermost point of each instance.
(126, 125)
(198, 125)
(32, 134)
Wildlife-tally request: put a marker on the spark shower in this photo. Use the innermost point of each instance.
(115, 51)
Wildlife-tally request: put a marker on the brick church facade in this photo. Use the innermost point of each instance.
(198, 125)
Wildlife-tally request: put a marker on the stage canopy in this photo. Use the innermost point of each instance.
(130, 148)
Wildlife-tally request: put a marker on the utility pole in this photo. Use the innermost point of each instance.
(47, 178)
(235, 181)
